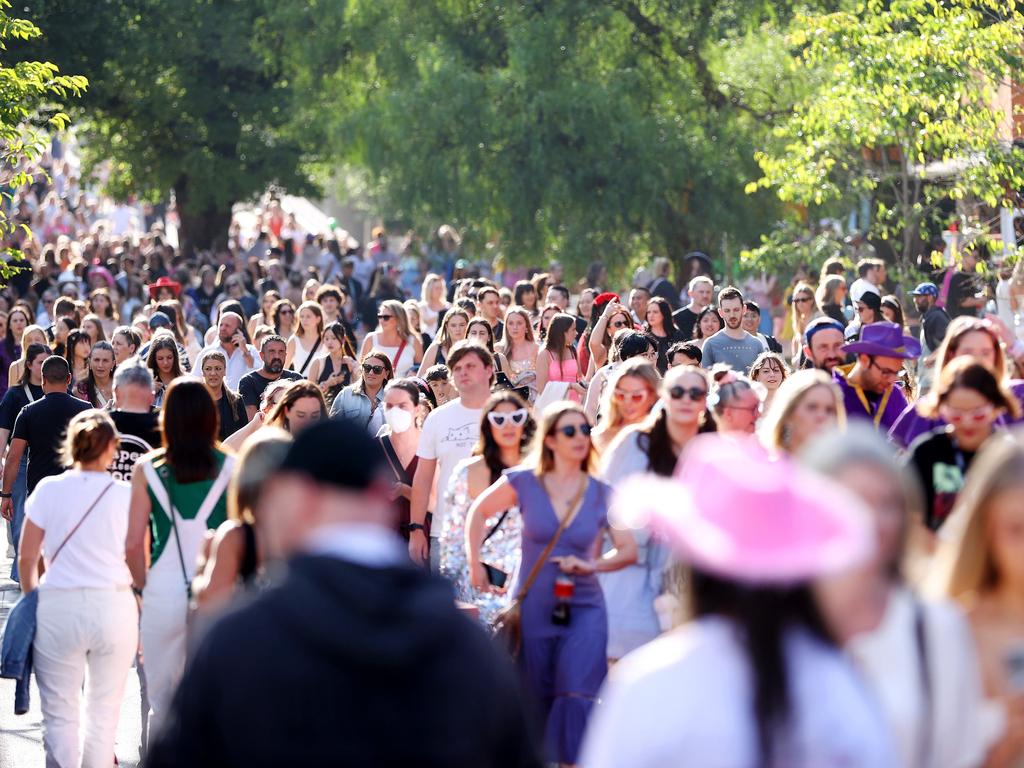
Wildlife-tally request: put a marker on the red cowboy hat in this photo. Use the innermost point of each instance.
(164, 282)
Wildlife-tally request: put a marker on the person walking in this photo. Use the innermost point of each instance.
(564, 622)
(87, 617)
(138, 426)
(178, 493)
(732, 345)
(934, 324)
(381, 668)
(273, 351)
(38, 430)
(870, 389)
(741, 683)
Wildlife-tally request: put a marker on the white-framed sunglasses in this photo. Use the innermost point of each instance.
(517, 417)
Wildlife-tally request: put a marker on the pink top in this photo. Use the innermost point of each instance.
(568, 371)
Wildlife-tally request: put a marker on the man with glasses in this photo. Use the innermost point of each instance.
(250, 387)
(870, 386)
(736, 402)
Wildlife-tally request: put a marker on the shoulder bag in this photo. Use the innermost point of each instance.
(507, 627)
(309, 358)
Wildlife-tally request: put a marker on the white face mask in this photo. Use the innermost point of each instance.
(398, 419)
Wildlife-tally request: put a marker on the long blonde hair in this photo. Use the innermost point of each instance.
(428, 282)
(789, 395)
(963, 567)
(505, 345)
(637, 368)
(401, 318)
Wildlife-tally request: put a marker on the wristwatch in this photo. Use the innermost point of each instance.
(415, 527)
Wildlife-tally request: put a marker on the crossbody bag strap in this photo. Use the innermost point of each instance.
(28, 393)
(398, 355)
(309, 357)
(921, 641)
(396, 465)
(496, 526)
(79, 524)
(569, 515)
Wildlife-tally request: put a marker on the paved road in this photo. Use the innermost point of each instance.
(21, 737)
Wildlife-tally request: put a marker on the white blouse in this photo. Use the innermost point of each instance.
(686, 699)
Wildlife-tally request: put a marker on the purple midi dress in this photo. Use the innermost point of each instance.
(562, 667)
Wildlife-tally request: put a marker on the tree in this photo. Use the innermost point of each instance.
(189, 95)
(902, 111)
(30, 94)
(584, 130)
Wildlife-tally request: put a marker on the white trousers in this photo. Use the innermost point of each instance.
(76, 630)
(163, 647)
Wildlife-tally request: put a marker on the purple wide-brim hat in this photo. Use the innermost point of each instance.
(733, 511)
(884, 339)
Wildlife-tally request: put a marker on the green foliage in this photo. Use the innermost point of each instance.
(30, 93)
(788, 248)
(189, 95)
(901, 86)
(569, 128)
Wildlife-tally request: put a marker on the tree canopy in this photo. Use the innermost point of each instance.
(902, 111)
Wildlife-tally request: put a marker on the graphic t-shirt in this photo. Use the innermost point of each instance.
(941, 466)
(448, 436)
(140, 434)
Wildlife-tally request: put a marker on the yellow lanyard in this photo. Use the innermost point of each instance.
(867, 406)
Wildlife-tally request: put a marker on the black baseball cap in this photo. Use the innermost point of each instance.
(336, 452)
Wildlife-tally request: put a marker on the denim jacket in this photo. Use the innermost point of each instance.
(16, 653)
(353, 403)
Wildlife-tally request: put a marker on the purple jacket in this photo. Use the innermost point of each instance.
(895, 405)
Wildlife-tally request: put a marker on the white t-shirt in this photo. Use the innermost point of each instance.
(449, 434)
(94, 557)
(687, 699)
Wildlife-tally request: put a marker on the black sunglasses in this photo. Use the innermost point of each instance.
(384, 317)
(569, 430)
(377, 369)
(694, 393)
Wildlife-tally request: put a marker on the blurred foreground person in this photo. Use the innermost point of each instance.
(357, 658)
(920, 660)
(744, 682)
(980, 564)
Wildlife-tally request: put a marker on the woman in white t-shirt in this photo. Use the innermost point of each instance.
(87, 615)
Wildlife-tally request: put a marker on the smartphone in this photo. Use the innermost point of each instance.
(496, 576)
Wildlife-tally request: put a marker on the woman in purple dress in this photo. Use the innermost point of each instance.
(564, 622)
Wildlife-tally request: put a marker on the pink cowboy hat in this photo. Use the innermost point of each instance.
(735, 512)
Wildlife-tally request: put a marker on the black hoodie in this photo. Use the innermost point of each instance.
(345, 665)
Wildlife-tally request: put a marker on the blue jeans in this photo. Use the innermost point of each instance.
(18, 495)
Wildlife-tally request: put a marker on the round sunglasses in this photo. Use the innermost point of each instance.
(516, 417)
(569, 430)
(694, 393)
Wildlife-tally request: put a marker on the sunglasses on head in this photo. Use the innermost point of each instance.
(516, 417)
(377, 369)
(636, 397)
(569, 430)
(694, 393)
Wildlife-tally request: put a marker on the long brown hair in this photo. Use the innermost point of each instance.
(278, 417)
(554, 341)
(189, 425)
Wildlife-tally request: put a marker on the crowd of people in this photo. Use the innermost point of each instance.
(699, 539)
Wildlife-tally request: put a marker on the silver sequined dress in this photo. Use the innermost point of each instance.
(502, 550)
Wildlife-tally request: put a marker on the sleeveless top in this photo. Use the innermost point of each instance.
(326, 373)
(186, 498)
(567, 371)
(401, 366)
(302, 355)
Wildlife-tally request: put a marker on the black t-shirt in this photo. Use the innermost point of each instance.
(42, 425)
(962, 285)
(941, 466)
(14, 400)
(663, 343)
(140, 434)
(251, 386)
(685, 319)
